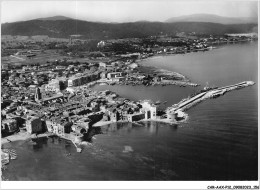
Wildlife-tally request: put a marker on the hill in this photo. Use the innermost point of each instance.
(55, 18)
(96, 30)
(213, 19)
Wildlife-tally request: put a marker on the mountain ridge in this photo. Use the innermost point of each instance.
(57, 17)
(212, 18)
(66, 26)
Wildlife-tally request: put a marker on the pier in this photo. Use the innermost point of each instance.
(189, 102)
(73, 141)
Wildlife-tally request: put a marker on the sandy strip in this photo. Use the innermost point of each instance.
(102, 123)
(16, 137)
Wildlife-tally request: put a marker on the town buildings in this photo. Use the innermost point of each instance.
(55, 95)
(83, 79)
(34, 125)
(53, 86)
(9, 125)
(149, 109)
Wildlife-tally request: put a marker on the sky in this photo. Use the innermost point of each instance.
(124, 10)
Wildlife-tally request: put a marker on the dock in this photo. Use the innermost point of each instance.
(73, 142)
(189, 102)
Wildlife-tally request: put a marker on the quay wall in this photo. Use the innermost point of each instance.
(209, 94)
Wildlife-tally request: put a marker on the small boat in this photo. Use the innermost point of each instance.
(68, 154)
(12, 151)
(5, 150)
(33, 143)
(13, 154)
(157, 102)
(13, 157)
(3, 167)
(79, 150)
(4, 162)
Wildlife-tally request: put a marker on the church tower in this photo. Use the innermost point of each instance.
(38, 95)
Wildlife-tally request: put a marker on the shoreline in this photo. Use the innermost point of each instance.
(167, 121)
(185, 81)
(155, 56)
(175, 78)
(21, 136)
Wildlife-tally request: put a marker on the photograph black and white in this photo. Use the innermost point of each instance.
(129, 91)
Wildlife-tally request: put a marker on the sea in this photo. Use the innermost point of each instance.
(219, 141)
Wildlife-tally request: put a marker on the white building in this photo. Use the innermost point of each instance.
(81, 79)
(149, 109)
(53, 86)
(55, 128)
(115, 75)
(101, 64)
(70, 90)
(9, 125)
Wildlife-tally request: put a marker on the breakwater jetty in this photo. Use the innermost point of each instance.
(189, 102)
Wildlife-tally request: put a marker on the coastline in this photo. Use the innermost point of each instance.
(185, 81)
(21, 136)
(168, 121)
(190, 103)
(156, 56)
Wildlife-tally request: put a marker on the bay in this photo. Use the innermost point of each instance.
(219, 142)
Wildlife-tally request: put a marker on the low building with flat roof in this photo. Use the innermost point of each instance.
(9, 125)
(53, 86)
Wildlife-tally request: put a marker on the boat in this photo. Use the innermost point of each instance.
(4, 162)
(12, 154)
(207, 87)
(68, 154)
(5, 157)
(5, 150)
(157, 102)
(3, 167)
(13, 157)
(79, 150)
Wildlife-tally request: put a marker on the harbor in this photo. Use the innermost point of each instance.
(187, 103)
(152, 94)
(175, 113)
(214, 127)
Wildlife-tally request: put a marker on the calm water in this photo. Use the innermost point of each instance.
(219, 142)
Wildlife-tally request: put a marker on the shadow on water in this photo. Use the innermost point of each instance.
(39, 143)
(139, 127)
(150, 126)
(91, 132)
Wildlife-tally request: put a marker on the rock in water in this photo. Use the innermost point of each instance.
(128, 149)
